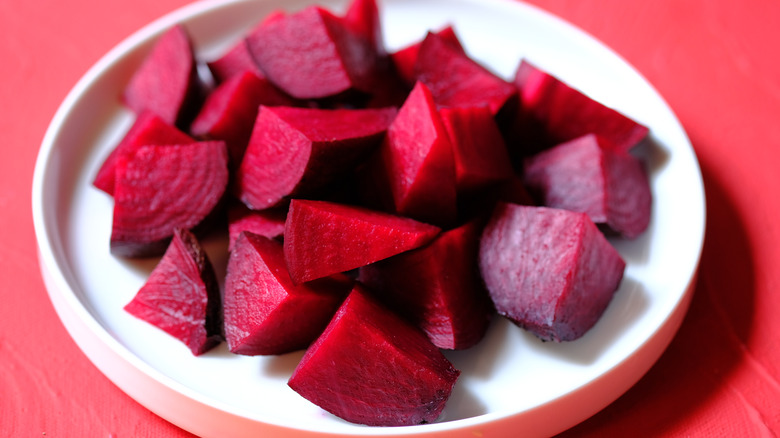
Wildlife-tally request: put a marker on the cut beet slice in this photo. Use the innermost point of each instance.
(161, 188)
(298, 151)
(229, 112)
(267, 223)
(181, 295)
(265, 313)
(322, 238)
(552, 112)
(437, 287)
(167, 82)
(362, 18)
(405, 59)
(371, 367)
(587, 175)
(235, 61)
(148, 129)
(548, 270)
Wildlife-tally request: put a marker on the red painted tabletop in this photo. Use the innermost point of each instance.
(714, 61)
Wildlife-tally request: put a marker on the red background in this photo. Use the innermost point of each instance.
(716, 63)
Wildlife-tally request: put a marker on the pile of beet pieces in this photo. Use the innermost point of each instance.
(381, 206)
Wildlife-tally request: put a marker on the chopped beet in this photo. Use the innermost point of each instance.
(265, 313)
(181, 295)
(235, 61)
(323, 238)
(371, 367)
(148, 129)
(405, 59)
(161, 188)
(362, 18)
(167, 81)
(297, 151)
(548, 270)
(267, 223)
(437, 287)
(587, 175)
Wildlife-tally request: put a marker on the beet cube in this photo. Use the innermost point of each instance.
(371, 367)
(148, 129)
(405, 59)
(181, 295)
(362, 17)
(548, 270)
(437, 287)
(167, 82)
(587, 175)
(161, 188)
(323, 238)
(235, 61)
(265, 313)
(267, 223)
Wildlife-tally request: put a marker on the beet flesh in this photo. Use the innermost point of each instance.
(405, 59)
(267, 223)
(235, 61)
(371, 367)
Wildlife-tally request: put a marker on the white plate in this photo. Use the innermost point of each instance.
(511, 383)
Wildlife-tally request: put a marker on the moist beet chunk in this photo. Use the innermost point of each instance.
(371, 367)
(267, 223)
(548, 270)
(405, 59)
(181, 295)
(235, 61)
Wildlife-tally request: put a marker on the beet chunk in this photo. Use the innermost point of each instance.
(371, 367)
(548, 270)
(167, 82)
(267, 223)
(405, 59)
(265, 313)
(235, 61)
(181, 295)
(589, 176)
(160, 188)
(323, 238)
(362, 18)
(437, 287)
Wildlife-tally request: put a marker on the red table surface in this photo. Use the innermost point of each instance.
(716, 63)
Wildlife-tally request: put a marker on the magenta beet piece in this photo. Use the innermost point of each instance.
(588, 176)
(265, 313)
(548, 270)
(323, 238)
(167, 82)
(161, 188)
(181, 295)
(371, 367)
(297, 151)
(267, 223)
(437, 287)
(552, 112)
(362, 18)
(405, 59)
(235, 61)
(148, 129)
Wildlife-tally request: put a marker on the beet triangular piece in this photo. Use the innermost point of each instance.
(181, 295)
(298, 151)
(589, 176)
(362, 17)
(167, 82)
(265, 313)
(267, 223)
(323, 238)
(371, 367)
(437, 287)
(405, 59)
(553, 112)
(161, 188)
(548, 270)
(148, 129)
(235, 61)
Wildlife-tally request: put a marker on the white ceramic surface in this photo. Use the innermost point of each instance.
(511, 384)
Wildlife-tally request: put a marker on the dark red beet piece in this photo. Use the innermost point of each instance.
(587, 175)
(405, 59)
(362, 18)
(548, 270)
(371, 367)
(265, 313)
(298, 151)
(552, 112)
(181, 295)
(267, 223)
(235, 61)
(437, 287)
(161, 188)
(167, 82)
(148, 129)
(323, 238)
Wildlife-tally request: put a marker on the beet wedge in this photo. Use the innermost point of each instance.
(588, 175)
(236, 60)
(267, 223)
(265, 313)
(550, 271)
(181, 295)
(362, 17)
(147, 129)
(437, 287)
(167, 82)
(405, 59)
(298, 151)
(161, 188)
(371, 367)
(323, 238)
